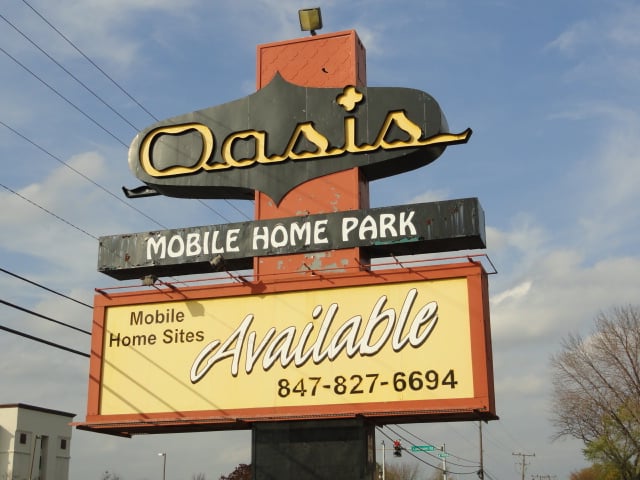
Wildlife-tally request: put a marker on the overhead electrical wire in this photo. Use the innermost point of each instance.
(89, 60)
(24, 279)
(47, 152)
(398, 436)
(42, 340)
(48, 211)
(407, 451)
(44, 317)
(488, 474)
(80, 82)
(489, 438)
(82, 111)
(89, 179)
(124, 91)
(69, 102)
(95, 122)
(473, 463)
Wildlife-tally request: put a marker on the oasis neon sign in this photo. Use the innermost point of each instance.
(257, 142)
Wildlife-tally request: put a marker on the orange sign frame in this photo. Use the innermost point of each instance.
(388, 377)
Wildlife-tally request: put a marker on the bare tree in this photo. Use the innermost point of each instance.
(241, 472)
(110, 476)
(596, 391)
(399, 471)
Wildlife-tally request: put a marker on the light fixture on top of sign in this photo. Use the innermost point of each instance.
(310, 19)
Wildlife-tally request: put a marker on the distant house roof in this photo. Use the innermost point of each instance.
(37, 409)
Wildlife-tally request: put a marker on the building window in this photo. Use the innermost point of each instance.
(23, 439)
(63, 444)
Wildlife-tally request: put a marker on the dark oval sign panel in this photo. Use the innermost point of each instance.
(284, 135)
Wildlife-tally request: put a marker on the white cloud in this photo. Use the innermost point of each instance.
(516, 292)
(602, 48)
(618, 28)
(560, 260)
(42, 217)
(103, 30)
(431, 196)
(528, 384)
(569, 41)
(624, 30)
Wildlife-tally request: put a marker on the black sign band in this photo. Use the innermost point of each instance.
(400, 230)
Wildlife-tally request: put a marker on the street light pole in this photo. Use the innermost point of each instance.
(383, 459)
(164, 464)
(444, 461)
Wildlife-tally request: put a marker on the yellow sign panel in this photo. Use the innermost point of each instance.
(389, 342)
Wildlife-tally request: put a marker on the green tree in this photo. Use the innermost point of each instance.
(594, 472)
(596, 391)
(589, 473)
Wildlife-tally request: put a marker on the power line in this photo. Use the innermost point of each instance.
(26, 37)
(78, 109)
(487, 474)
(48, 211)
(84, 113)
(524, 457)
(42, 340)
(499, 444)
(44, 288)
(44, 317)
(414, 456)
(89, 60)
(472, 462)
(474, 466)
(214, 211)
(62, 162)
(123, 90)
(94, 122)
(236, 209)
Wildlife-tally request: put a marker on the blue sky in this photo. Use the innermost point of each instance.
(550, 89)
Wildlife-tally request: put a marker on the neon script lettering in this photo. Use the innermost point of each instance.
(356, 336)
(303, 133)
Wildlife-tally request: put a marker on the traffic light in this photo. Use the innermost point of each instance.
(397, 448)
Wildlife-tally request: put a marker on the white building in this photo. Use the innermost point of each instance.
(35, 443)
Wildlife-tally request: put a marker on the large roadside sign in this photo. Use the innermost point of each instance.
(408, 344)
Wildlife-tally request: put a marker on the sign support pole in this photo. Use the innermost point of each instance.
(332, 60)
(328, 450)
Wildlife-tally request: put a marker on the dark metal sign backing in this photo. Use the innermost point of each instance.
(284, 135)
(400, 230)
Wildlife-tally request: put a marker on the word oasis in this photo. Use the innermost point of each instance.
(387, 131)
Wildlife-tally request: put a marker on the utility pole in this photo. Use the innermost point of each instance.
(524, 457)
